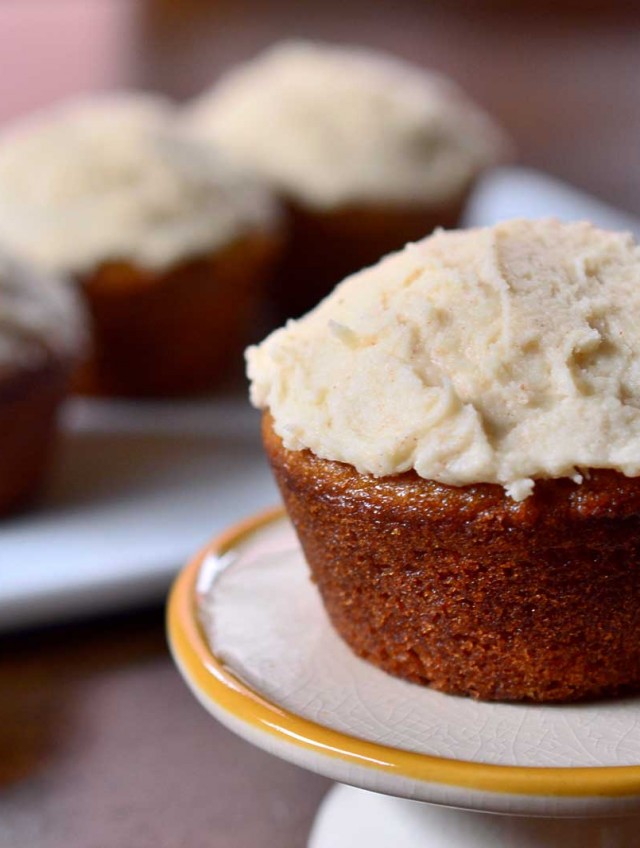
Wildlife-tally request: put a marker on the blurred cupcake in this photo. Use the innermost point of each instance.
(42, 336)
(456, 435)
(169, 246)
(367, 151)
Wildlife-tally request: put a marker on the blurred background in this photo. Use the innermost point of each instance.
(560, 76)
(100, 742)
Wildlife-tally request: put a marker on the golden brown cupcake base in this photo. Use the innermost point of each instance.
(326, 246)
(29, 402)
(467, 591)
(174, 332)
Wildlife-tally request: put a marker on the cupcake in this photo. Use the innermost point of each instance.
(42, 335)
(456, 435)
(168, 245)
(366, 152)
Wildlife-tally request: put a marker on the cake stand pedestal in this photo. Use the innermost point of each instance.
(416, 767)
(350, 817)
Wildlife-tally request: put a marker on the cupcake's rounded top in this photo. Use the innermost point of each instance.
(106, 179)
(494, 355)
(39, 318)
(331, 126)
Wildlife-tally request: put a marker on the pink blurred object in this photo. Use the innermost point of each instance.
(55, 48)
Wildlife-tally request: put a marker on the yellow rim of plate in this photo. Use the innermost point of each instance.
(218, 684)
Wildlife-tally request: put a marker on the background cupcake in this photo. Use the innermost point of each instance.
(367, 151)
(168, 245)
(42, 336)
(456, 435)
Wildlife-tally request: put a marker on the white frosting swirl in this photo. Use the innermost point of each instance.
(38, 317)
(330, 126)
(106, 179)
(496, 355)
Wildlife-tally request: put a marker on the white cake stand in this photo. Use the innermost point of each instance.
(251, 638)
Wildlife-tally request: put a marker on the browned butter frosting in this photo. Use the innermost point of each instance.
(500, 355)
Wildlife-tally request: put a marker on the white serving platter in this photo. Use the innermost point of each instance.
(136, 488)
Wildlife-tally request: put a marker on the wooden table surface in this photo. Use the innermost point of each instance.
(101, 744)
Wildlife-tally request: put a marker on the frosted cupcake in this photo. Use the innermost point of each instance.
(167, 244)
(367, 151)
(456, 435)
(42, 336)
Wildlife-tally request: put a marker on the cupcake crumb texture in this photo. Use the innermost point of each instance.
(498, 355)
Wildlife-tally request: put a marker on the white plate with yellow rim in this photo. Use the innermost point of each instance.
(251, 638)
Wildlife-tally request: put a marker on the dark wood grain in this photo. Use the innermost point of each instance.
(100, 742)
